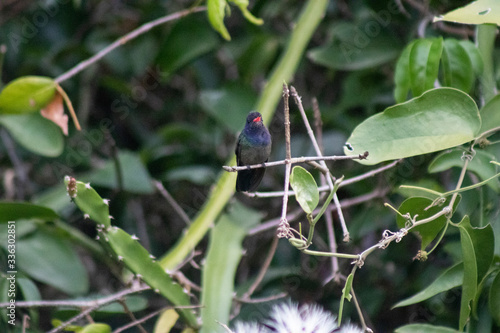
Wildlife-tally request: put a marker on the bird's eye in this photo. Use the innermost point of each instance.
(348, 146)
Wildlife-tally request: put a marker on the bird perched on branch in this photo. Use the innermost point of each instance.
(253, 147)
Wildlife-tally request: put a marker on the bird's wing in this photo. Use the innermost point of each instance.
(237, 151)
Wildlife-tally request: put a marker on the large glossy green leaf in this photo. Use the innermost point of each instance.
(424, 328)
(224, 253)
(457, 66)
(480, 165)
(424, 64)
(49, 259)
(439, 119)
(451, 278)
(13, 211)
(306, 189)
(27, 94)
(180, 48)
(353, 50)
(494, 299)
(35, 133)
(476, 12)
(490, 115)
(421, 207)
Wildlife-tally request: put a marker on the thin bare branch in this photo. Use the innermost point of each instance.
(177, 208)
(124, 39)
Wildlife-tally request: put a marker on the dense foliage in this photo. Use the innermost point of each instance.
(159, 117)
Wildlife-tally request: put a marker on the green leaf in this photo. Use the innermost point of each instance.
(52, 260)
(424, 328)
(477, 12)
(470, 281)
(420, 206)
(238, 98)
(243, 6)
(216, 11)
(306, 189)
(490, 115)
(424, 64)
(343, 53)
(135, 177)
(483, 240)
(450, 278)
(12, 211)
(474, 56)
(35, 133)
(223, 256)
(439, 119)
(346, 294)
(27, 94)
(96, 328)
(402, 75)
(477, 250)
(494, 299)
(457, 66)
(180, 48)
(139, 261)
(480, 165)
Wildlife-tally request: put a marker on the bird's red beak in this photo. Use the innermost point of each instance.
(257, 119)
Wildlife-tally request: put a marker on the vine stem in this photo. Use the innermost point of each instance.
(124, 39)
(310, 132)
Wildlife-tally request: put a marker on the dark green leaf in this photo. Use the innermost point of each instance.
(490, 115)
(306, 189)
(180, 47)
(424, 64)
(35, 133)
(51, 260)
(135, 177)
(402, 75)
(27, 94)
(474, 56)
(13, 211)
(240, 99)
(480, 165)
(424, 328)
(451, 278)
(353, 50)
(439, 119)
(421, 207)
(457, 66)
(470, 281)
(494, 299)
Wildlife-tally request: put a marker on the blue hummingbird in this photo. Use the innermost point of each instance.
(253, 147)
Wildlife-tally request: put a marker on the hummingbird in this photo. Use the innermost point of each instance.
(253, 147)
